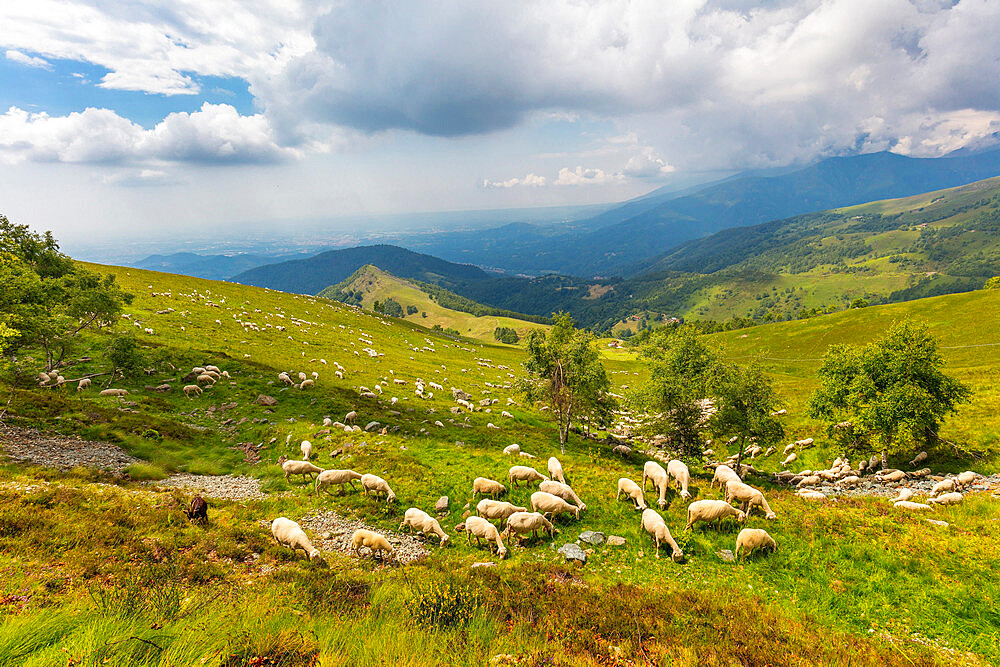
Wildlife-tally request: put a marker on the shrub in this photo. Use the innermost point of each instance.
(445, 605)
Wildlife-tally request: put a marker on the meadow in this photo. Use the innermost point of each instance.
(99, 569)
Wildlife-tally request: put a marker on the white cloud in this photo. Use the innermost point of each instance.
(216, 133)
(28, 61)
(582, 176)
(531, 180)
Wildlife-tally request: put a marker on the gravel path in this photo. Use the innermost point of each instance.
(335, 532)
(921, 487)
(226, 487)
(58, 451)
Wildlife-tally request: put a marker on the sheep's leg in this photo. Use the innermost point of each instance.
(657, 540)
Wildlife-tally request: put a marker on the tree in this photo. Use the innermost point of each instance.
(567, 372)
(992, 283)
(680, 366)
(506, 335)
(125, 355)
(744, 400)
(889, 395)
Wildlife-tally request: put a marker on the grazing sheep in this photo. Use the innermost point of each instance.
(327, 422)
(912, 506)
(214, 369)
(497, 509)
(623, 451)
(791, 458)
(374, 484)
(654, 524)
(632, 490)
(944, 486)
(375, 543)
(556, 470)
(919, 458)
(114, 392)
(512, 449)
(564, 491)
(306, 384)
(340, 477)
(904, 494)
(894, 477)
(749, 498)
(482, 529)
(546, 503)
(711, 510)
(350, 417)
(525, 474)
(487, 487)
(418, 519)
(198, 509)
(966, 478)
(307, 449)
(303, 468)
(205, 379)
(952, 498)
(682, 476)
(654, 471)
(789, 449)
(192, 390)
(723, 475)
(83, 384)
(751, 539)
(289, 534)
(523, 523)
(285, 378)
(810, 494)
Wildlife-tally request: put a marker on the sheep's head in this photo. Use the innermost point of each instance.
(771, 516)
(741, 516)
(662, 502)
(391, 498)
(282, 459)
(678, 556)
(502, 552)
(315, 555)
(685, 495)
(444, 540)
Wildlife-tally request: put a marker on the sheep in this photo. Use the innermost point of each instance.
(198, 509)
(944, 486)
(682, 476)
(307, 449)
(512, 449)
(375, 484)
(522, 523)
(203, 378)
(340, 477)
(292, 467)
(751, 539)
(904, 494)
(302, 376)
(497, 509)
(487, 487)
(289, 534)
(350, 417)
(947, 499)
(212, 374)
(749, 497)
(418, 519)
(893, 477)
(809, 494)
(919, 458)
(550, 504)
(327, 422)
(966, 478)
(214, 369)
(564, 491)
(482, 529)
(192, 390)
(314, 375)
(632, 490)
(654, 524)
(114, 392)
(525, 474)
(306, 384)
(83, 384)
(789, 449)
(654, 471)
(623, 451)
(556, 470)
(712, 510)
(912, 506)
(723, 475)
(791, 458)
(375, 543)
(285, 378)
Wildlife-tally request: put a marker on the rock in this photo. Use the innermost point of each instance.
(266, 400)
(441, 506)
(938, 523)
(592, 537)
(460, 528)
(466, 514)
(616, 541)
(726, 555)
(371, 426)
(572, 552)
(326, 535)
(486, 564)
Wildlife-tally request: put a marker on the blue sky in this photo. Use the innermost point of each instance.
(157, 118)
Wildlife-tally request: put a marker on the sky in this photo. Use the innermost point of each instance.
(171, 118)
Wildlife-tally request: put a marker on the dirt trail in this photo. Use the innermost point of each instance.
(59, 451)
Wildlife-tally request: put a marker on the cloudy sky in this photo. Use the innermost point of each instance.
(177, 116)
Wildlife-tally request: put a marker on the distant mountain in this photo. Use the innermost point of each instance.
(310, 275)
(213, 267)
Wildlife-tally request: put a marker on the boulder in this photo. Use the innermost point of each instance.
(371, 426)
(726, 555)
(573, 552)
(616, 541)
(441, 506)
(266, 400)
(592, 537)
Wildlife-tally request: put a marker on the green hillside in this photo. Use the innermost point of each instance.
(99, 569)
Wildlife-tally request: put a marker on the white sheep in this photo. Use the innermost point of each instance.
(966, 478)
(654, 524)
(564, 491)
(192, 390)
(289, 534)
(751, 539)
(350, 417)
(711, 510)
(723, 475)
(302, 376)
(810, 494)
(487, 487)
(749, 497)
(791, 458)
(520, 524)
(327, 422)
(556, 470)
(525, 474)
(306, 384)
(654, 471)
(284, 377)
(307, 449)
(330, 477)
(904, 494)
(374, 484)
(482, 529)
(952, 498)
(204, 378)
(546, 503)
(912, 506)
(512, 450)
(681, 475)
(114, 392)
(632, 490)
(292, 467)
(83, 384)
(214, 369)
(375, 543)
(417, 519)
(944, 486)
(497, 509)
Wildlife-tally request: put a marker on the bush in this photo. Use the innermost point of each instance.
(506, 335)
(411, 310)
(444, 605)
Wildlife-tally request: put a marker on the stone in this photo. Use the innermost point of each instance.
(466, 514)
(326, 535)
(593, 537)
(616, 541)
(486, 564)
(573, 552)
(371, 426)
(726, 555)
(266, 400)
(936, 522)
(441, 506)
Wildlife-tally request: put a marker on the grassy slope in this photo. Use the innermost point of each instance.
(377, 285)
(847, 581)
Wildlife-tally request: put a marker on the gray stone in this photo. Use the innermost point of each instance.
(592, 537)
(266, 400)
(938, 523)
(726, 555)
(371, 426)
(442, 505)
(573, 552)
(616, 541)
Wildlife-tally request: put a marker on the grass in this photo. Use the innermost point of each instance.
(98, 570)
